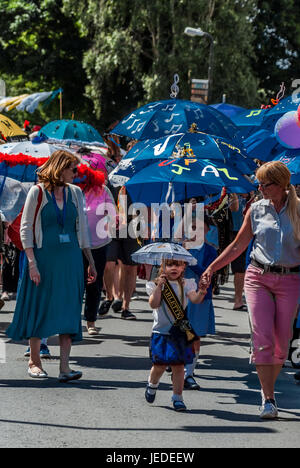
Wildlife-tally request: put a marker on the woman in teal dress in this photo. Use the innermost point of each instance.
(53, 232)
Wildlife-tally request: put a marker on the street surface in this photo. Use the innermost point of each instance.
(107, 407)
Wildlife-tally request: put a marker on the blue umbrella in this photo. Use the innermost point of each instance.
(249, 121)
(252, 120)
(262, 145)
(192, 145)
(285, 105)
(20, 172)
(230, 110)
(71, 132)
(166, 117)
(291, 158)
(183, 179)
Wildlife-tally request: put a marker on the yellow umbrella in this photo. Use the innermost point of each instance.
(10, 130)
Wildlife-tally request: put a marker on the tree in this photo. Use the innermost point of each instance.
(232, 27)
(137, 46)
(277, 41)
(41, 50)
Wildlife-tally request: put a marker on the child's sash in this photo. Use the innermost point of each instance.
(173, 303)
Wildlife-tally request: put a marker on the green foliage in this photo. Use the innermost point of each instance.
(111, 56)
(137, 46)
(277, 41)
(41, 50)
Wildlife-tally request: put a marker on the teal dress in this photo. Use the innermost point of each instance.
(54, 306)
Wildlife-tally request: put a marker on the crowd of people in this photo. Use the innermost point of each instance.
(257, 233)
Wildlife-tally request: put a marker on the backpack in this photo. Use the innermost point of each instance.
(13, 230)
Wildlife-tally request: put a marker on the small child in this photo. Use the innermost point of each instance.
(165, 350)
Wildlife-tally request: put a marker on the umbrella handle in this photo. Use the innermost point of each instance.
(163, 264)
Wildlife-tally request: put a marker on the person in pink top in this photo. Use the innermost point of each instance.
(100, 208)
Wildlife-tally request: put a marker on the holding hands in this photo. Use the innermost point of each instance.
(207, 276)
(203, 285)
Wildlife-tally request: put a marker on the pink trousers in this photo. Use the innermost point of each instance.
(272, 302)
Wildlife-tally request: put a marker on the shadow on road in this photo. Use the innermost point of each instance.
(191, 429)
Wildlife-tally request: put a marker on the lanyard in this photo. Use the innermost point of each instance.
(61, 216)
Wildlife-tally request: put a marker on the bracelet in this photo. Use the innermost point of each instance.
(33, 265)
(203, 291)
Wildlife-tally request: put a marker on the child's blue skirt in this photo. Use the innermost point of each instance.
(164, 350)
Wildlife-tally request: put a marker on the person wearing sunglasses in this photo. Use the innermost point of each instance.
(272, 281)
(53, 233)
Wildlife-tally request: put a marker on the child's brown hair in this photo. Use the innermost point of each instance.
(170, 262)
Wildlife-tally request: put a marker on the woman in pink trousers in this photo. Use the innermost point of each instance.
(272, 281)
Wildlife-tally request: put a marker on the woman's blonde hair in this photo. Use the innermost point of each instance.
(50, 173)
(277, 172)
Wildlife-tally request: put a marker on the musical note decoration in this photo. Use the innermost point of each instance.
(174, 87)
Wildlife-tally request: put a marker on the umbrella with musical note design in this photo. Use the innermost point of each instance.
(169, 181)
(167, 117)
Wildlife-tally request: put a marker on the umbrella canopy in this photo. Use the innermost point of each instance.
(24, 168)
(228, 109)
(187, 146)
(291, 158)
(197, 145)
(166, 117)
(262, 145)
(154, 254)
(21, 167)
(10, 130)
(95, 161)
(252, 120)
(273, 115)
(249, 121)
(71, 132)
(179, 180)
(40, 150)
(12, 197)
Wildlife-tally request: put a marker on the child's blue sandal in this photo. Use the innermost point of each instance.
(179, 405)
(150, 394)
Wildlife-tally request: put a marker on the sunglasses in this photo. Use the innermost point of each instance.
(264, 186)
(74, 169)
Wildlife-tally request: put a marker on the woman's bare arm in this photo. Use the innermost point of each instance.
(234, 250)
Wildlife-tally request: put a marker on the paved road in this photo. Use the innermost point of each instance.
(107, 407)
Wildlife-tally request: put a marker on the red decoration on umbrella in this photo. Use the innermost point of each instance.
(92, 177)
